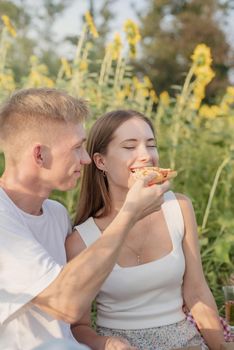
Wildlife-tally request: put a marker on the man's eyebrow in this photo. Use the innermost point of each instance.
(84, 139)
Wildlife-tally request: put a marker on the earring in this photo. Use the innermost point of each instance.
(103, 173)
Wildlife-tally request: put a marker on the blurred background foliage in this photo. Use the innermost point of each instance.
(175, 66)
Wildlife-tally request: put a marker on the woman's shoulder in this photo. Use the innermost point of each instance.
(185, 203)
(74, 244)
(183, 199)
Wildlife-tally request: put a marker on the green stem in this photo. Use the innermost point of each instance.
(212, 192)
(178, 114)
(117, 73)
(80, 44)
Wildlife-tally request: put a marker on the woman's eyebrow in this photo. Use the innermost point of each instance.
(134, 140)
(129, 140)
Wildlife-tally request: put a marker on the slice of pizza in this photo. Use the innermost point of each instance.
(161, 174)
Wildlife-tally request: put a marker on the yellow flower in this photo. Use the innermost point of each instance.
(195, 102)
(136, 83)
(133, 35)
(117, 46)
(7, 82)
(114, 48)
(132, 31)
(145, 92)
(127, 90)
(120, 95)
(38, 80)
(210, 112)
(91, 25)
(37, 76)
(164, 98)
(230, 90)
(8, 25)
(202, 55)
(199, 90)
(83, 65)
(204, 73)
(153, 96)
(147, 82)
(33, 60)
(42, 69)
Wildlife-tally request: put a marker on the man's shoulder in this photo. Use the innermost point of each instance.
(5, 206)
(55, 206)
(54, 203)
(58, 214)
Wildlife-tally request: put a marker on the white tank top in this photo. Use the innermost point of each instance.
(147, 295)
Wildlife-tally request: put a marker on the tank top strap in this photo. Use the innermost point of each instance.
(173, 216)
(88, 231)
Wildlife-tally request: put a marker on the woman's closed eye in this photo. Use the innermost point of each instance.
(133, 147)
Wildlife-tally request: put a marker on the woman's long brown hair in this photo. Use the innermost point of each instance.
(94, 195)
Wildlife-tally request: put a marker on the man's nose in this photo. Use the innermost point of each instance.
(85, 159)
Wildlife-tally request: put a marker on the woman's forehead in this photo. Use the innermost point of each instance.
(133, 128)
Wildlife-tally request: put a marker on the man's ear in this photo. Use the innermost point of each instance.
(98, 159)
(38, 155)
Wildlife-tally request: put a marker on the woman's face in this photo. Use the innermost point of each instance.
(133, 146)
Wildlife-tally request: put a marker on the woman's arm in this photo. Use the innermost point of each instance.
(196, 293)
(84, 333)
(82, 330)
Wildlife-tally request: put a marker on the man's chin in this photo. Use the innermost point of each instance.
(68, 187)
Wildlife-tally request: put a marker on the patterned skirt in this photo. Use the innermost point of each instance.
(176, 335)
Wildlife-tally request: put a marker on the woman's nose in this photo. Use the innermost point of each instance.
(144, 153)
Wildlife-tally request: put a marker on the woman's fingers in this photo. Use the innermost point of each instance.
(118, 343)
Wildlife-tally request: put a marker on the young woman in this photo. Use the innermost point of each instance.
(140, 305)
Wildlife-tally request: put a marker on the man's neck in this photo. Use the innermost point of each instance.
(27, 198)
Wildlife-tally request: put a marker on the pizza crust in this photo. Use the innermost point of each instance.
(161, 174)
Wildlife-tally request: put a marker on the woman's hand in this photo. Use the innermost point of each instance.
(118, 343)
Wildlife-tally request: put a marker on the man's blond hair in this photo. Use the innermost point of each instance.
(36, 109)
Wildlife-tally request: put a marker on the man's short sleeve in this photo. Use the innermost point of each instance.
(26, 268)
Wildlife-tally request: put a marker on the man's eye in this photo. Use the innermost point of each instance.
(129, 147)
(152, 146)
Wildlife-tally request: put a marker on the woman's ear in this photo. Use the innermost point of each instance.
(98, 159)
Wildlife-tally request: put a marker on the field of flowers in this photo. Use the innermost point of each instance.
(194, 138)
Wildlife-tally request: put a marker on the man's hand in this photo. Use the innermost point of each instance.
(118, 343)
(143, 200)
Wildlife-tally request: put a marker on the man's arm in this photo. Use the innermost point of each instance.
(71, 293)
(82, 330)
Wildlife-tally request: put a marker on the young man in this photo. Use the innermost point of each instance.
(42, 137)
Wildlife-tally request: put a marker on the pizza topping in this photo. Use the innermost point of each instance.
(161, 174)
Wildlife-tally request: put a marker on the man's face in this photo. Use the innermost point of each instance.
(67, 156)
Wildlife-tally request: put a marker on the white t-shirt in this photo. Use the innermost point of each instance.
(32, 255)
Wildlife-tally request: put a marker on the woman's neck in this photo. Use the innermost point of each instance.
(117, 201)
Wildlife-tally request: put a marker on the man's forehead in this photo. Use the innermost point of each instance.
(78, 133)
(71, 133)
